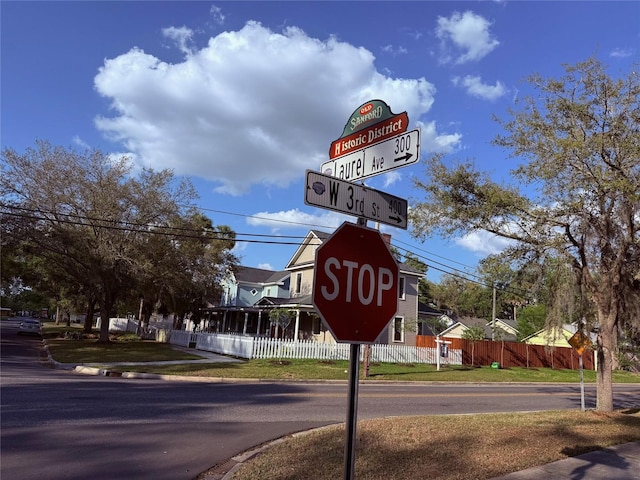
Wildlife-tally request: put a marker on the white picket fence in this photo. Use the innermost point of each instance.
(244, 346)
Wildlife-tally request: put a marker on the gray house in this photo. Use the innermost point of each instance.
(249, 294)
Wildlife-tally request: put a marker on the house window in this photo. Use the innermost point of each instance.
(254, 292)
(401, 282)
(298, 282)
(398, 329)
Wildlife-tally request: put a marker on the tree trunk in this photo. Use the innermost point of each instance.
(606, 345)
(106, 306)
(88, 319)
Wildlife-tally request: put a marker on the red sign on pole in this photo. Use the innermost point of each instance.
(355, 288)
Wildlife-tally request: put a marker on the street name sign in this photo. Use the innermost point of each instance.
(355, 284)
(332, 193)
(395, 152)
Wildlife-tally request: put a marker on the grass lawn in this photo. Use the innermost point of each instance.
(338, 370)
(463, 447)
(128, 348)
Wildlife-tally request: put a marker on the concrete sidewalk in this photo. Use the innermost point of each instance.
(206, 357)
(621, 462)
(93, 368)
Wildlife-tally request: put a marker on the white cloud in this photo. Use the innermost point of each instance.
(265, 266)
(474, 87)
(467, 34)
(483, 243)
(81, 143)
(217, 15)
(391, 177)
(432, 141)
(182, 37)
(394, 50)
(297, 218)
(252, 108)
(621, 52)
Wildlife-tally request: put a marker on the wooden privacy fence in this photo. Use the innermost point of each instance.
(514, 354)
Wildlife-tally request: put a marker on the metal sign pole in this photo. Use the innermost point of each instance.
(581, 383)
(352, 412)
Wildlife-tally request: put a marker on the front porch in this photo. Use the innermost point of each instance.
(255, 320)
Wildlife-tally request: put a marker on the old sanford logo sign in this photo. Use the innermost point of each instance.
(370, 123)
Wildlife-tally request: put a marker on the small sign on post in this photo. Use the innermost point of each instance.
(579, 341)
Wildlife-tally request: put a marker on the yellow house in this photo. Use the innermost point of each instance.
(554, 336)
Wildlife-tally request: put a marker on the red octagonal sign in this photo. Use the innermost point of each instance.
(355, 285)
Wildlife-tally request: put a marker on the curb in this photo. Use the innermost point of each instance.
(224, 471)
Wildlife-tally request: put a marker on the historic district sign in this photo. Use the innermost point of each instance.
(370, 123)
(355, 285)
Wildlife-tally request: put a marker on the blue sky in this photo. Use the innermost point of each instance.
(243, 97)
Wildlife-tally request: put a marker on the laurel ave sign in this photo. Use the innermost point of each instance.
(355, 287)
(399, 151)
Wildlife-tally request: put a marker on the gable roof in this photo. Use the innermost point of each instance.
(314, 236)
(318, 237)
(258, 275)
(472, 321)
(428, 310)
(464, 323)
(564, 332)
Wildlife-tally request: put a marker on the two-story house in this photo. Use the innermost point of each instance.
(253, 318)
(242, 288)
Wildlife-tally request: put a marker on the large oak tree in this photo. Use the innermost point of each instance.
(575, 196)
(108, 232)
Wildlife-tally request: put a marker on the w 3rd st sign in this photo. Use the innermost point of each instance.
(355, 287)
(332, 193)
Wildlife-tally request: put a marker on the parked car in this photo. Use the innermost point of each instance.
(30, 326)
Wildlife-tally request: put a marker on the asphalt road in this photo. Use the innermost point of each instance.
(61, 425)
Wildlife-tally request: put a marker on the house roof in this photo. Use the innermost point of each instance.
(258, 275)
(313, 235)
(472, 321)
(322, 237)
(302, 301)
(425, 309)
(468, 322)
(405, 268)
(508, 322)
(570, 328)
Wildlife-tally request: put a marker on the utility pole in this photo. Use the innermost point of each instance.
(493, 313)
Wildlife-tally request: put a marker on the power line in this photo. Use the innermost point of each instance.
(154, 229)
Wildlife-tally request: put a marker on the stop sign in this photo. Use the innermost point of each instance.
(355, 284)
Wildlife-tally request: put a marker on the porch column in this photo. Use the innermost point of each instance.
(246, 321)
(297, 329)
(259, 323)
(224, 320)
